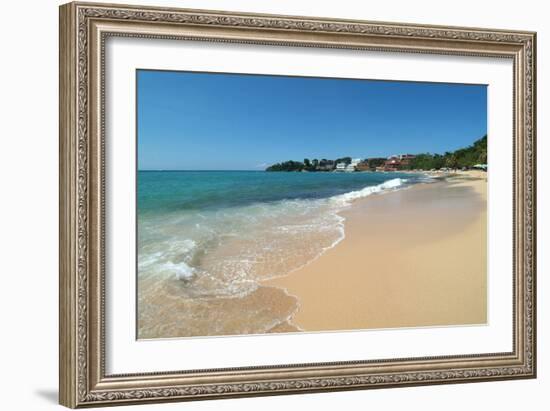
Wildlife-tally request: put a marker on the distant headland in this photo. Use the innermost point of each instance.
(474, 156)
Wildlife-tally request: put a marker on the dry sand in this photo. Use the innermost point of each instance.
(415, 257)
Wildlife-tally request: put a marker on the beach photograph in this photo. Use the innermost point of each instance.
(285, 204)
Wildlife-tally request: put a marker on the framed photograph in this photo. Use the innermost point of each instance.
(259, 204)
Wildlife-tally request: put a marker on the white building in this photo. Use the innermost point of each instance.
(348, 167)
(353, 165)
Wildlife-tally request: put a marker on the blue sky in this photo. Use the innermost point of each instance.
(194, 121)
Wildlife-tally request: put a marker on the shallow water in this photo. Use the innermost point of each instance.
(206, 239)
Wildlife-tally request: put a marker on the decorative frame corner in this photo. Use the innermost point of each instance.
(84, 27)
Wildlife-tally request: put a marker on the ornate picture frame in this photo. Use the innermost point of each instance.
(84, 28)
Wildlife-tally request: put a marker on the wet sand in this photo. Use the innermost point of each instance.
(164, 313)
(415, 257)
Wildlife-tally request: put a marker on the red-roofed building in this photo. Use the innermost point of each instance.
(394, 163)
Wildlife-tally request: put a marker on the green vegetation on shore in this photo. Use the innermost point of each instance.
(309, 165)
(464, 157)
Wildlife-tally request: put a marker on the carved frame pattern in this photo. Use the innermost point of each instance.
(82, 378)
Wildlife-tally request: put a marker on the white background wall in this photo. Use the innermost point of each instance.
(28, 204)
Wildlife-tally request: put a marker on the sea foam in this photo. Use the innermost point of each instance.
(345, 199)
(181, 270)
(232, 249)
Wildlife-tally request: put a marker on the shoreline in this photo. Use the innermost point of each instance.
(392, 293)
(351, 284)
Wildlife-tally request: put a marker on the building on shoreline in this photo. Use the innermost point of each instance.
(350, 167)
(363, 166)
(396, 162)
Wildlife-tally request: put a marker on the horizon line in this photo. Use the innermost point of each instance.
(485, 135)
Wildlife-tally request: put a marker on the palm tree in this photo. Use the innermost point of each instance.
(452, 161)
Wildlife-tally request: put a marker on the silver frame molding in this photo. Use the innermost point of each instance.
(84, 27)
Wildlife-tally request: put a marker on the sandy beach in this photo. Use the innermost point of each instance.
(413, 257)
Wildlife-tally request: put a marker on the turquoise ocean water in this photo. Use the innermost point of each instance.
(217, 234)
